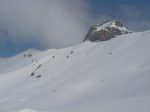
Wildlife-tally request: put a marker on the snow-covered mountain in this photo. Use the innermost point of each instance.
(109, 29)
(107, 76)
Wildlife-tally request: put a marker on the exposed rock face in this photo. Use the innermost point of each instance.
(106, 31)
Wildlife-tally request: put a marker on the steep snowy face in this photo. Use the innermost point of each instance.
(106, 31)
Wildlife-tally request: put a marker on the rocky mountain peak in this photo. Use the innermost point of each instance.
(109, 29)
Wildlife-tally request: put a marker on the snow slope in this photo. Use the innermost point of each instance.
(108, 76)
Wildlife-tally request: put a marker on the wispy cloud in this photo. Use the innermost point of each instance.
(54, 23)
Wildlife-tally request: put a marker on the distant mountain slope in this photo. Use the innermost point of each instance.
(108, 76)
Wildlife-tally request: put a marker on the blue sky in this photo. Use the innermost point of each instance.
(17, 36)
(137, 10)
(116, 3)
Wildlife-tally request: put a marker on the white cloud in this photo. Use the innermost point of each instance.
(54, 23)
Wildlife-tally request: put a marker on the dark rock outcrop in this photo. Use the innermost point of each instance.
(105, 31)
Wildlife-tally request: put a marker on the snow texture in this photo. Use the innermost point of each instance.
(111, 24)
(108, 76)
